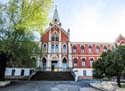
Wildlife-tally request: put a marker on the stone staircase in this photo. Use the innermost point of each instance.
(52, 76)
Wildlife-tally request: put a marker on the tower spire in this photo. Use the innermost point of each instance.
(55, 16)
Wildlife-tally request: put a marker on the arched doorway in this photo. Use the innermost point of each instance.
(54, 63)
(44, 63)
(64, 64)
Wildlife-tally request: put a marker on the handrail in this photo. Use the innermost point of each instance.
(33, 74)
(75, 75)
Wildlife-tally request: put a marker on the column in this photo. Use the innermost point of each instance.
(69, 55)
(48, 63)
(60, 47)
(37, 62)
(49, 47)
(60, 62)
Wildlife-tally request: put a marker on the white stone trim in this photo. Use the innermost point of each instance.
(54, 57)
(49, 47)
(83, 57)
(49, 35)
(80, 71)
(59, 47)
(59, 35)
(75, 57)
(65, 58)
(91, 57)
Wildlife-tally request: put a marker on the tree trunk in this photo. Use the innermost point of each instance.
(118, 80)
(3, 60)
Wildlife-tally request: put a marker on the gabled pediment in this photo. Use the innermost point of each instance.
(56, 25)
(120, 39)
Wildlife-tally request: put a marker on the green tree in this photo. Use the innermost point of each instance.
(18, 20)
(113, 64)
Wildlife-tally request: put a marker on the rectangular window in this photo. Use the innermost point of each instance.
(84, 72)
(52, 38)
(91, 61)
(83, 62)
(22, 72)
(57, 38)
(13, 72)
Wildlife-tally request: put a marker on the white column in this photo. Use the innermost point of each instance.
(69, 55)
(60, 47)
(60, 36)
(37, 62)
(49, 47)
(60, 63)
(48, 63)
(49, 43)
(49, 35)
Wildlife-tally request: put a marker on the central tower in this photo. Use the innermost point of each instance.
(56, 47)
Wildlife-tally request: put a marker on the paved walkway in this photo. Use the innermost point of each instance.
(49, 86)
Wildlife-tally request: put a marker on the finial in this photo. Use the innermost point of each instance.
(68, 30)
(55, 16)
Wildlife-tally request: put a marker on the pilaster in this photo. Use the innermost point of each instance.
(60, 62)
(48, 63)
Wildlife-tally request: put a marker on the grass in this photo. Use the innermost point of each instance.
(123, 86)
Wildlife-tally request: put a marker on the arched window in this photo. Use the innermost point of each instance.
(91, 61)
(44, 47)
(75, 62)
(52, 48)
(82, 49)
(83, 62)
(64, 48)
(74, 49)
(64, 63)
(57, 48)
(105, 49)
(97, 49)
(90, 49)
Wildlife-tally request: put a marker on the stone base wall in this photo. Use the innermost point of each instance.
(85, 77)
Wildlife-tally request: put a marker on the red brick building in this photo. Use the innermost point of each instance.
(59, 54)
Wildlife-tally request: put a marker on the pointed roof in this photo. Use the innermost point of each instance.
(55, 16)
(119, 38)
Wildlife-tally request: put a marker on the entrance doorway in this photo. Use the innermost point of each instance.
(64, 64)
(54, 65)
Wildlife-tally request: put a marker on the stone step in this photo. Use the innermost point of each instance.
(52, 76)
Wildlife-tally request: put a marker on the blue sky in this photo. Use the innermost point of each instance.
(92, 20)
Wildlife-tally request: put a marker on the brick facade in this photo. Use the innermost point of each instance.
(64, 54)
